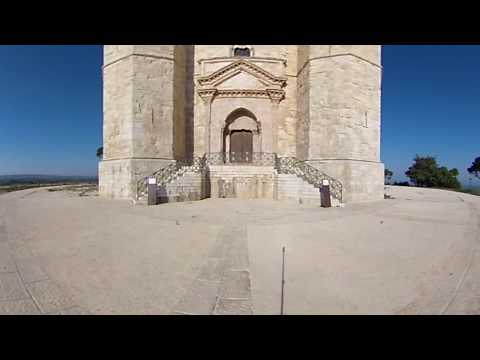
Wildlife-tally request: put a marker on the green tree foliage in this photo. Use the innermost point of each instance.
(425, 172)
(388, 176)
(475, 168)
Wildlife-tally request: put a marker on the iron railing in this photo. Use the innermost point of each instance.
(241, 158)
(283, 165)
(171, 172)
(315, 177)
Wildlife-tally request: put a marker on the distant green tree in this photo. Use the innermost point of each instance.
(425, 172)
(388, 176)
(100, 153)
(475, 168)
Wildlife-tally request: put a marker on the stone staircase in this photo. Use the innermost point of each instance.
(179, 181)
(283, 179)
(186, 187)
(310, 175)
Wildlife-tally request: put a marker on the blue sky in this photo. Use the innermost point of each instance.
(51, 107)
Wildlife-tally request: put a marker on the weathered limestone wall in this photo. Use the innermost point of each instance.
(344, 117)
(186, 188)
(344, 108)
(153, 102)
(287, 122)
(118, 179)
(189, 100)
(361, 180)
(243, 182)
(330, 115)
(117, 102)
(293, 188)
(303, 102)
(141, 87)
(202, 52)
(179, 103)
(279, 133)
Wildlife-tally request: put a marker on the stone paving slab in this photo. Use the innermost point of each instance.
(200, 299)
(224, 242)
(235, 285)
(3, 234)
(238, 256)
(233, 307)
(6, 261)
(213, 270)
(21, 250)
(18, 307)
(49, 296)
(367, 259)
(76, 310)
(11, 287)
(31, 270)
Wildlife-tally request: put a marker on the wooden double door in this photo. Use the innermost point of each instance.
(241, 146)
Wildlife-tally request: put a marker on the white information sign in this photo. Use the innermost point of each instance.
(152, 181)
(326, 182)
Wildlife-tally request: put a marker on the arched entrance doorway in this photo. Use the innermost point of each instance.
(242, 136)
(241, 146)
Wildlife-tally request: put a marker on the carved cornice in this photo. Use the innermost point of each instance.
(252, 59)
(207, 94)
(275, 95)
(234, 68)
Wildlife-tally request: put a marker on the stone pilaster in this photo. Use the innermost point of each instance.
(207, 96)
(275, 96)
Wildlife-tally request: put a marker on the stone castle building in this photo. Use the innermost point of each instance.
(249, 121)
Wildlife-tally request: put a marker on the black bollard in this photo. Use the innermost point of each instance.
(152, 191)
(325, 200)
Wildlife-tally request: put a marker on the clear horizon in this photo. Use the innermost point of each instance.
(51, 108)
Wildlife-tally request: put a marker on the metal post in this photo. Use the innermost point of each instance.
(152, 191)
(283, 281)
(325, 200)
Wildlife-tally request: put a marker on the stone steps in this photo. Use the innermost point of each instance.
(242, 181)
(187, 187)
(293, 187)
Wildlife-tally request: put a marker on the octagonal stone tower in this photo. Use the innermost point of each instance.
(319, 104)
(339, 115)
(144, 117)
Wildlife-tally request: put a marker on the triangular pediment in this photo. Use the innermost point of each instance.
(241, 80)
(242, 70)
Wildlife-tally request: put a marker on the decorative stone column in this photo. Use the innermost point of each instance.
(276, 96)
(207, 96)
(227, 147)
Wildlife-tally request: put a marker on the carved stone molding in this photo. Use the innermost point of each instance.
(273, 84)
(275, 95)
(234, 68)
(207, 95)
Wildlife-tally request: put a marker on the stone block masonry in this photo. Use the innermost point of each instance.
(316, 103)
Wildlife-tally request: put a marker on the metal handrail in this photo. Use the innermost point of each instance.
(315, 177)
(239, 158)
(283, 165)
(171, 172)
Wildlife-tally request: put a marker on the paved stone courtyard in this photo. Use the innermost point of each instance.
(61, 253)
